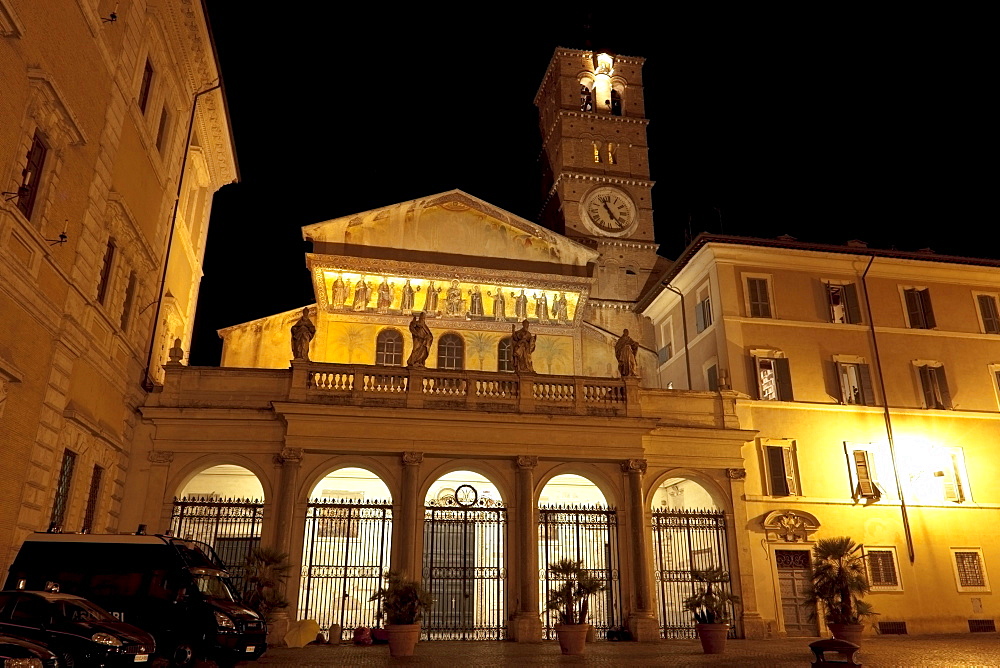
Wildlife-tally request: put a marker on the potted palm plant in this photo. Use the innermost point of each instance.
(839, 581)
(571, 601)
(712, 608)
(402, 602)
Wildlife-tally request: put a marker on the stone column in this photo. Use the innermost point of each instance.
(409, 561)
(156, 491)
(526, 626)
(641, 620)
(742, 580)
(289, 460)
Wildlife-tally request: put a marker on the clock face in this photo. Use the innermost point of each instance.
(610, 210)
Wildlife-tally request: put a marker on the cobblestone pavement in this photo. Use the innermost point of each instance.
(937, 651)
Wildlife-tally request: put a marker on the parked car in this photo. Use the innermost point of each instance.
(18, 653)
(176, 589)
(80, 632)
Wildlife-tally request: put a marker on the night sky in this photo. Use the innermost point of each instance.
(831, 126)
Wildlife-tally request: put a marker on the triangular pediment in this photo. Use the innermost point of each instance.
(453, 223)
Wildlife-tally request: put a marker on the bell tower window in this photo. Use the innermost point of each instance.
(616, 102)
(586, 97)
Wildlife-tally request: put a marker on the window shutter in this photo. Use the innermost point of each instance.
(776, 470)
(31, 175)
(845, 390)
(927, 384)
(699, 317)
(866, 482)
(951, 482)
(988, 310)
(753, 384)
(850, 293)
(925, 302)
(829, 301)
(867, 390)
(712, 375)
(784, 378)
(913, 310)
(944, 395)
(789, 471)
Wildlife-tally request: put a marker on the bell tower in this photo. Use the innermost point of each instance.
(595, 163)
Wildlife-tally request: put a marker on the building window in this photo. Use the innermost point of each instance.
(934, 386)
(161, 131)
(918, 308)
(389, 348)
(62, 489)
(612, 153)
(952, 474)
(758, 296)
(703, 310)
(616, 103)
(989, 316)
(93, 498)
(843, 303)
(970, 572)
(586, 98)
(712, 377)
(505, 355)
(883, 569)
(31, 175)
(855, 384)
(597, 150)
(144, 87)
(779, 468)
(774, 379)
(451, 352)
(105, 280)
(864, 475)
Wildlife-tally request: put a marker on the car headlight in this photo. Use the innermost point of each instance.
(224, 621)
(106, 639)
(22, 663)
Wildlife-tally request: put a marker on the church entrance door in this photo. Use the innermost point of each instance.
(463, 566)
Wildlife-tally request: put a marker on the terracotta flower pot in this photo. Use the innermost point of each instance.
(402, 638)
(572, 637)
(848, 632)
(713, 637)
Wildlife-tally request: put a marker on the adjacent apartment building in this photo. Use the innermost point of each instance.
(871, 378)
(114, 137)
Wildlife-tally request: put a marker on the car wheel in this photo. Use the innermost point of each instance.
(183, 655)
(67, 660)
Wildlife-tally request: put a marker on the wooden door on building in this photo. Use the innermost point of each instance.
(793, 583)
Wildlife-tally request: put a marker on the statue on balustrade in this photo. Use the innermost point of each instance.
(422, 340)
(625, 350)
(522, 345)
(303, 332)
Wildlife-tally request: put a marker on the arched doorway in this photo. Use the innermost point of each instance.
(222, 506)
(345, 551)
(575, 522)
(689, 535)
(465, 535)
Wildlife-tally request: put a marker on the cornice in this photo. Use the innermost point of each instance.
(589, 115)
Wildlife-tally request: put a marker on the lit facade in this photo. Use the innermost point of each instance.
(871, 380)
(94, 123)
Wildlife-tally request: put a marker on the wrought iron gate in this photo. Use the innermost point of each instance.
(588, 534)
(345, 556)
(683, 541)
(230, 526)
(464, 543)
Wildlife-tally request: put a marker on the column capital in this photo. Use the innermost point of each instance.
(526, 461)
(634, 466)
(411, 458)
(736, 474)
(160, 456)
(289, 456)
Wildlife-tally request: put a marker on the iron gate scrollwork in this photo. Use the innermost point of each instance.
(588, 534)
(345, 557)
(685, 541)
(230, 526)
(464, 542)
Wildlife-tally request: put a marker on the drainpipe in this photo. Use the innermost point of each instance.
(684, 327)
(887, 416)
(147, 382)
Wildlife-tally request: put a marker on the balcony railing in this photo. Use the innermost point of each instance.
(470, 390)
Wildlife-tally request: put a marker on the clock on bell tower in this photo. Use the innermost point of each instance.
(595, 163)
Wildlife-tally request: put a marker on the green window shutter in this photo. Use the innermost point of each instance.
(953, 490)
(866, 482)
(699, 317)
(925, 304)
(942, 387)
(776, 470)
(988, 310)
(784, 379)
(850, 293)
(913, 310)
(867, 390)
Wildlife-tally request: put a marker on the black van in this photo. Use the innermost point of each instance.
(175, 589)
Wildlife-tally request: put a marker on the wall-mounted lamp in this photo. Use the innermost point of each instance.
(61, 240)
(22, 191)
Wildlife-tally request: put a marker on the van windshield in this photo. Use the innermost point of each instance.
(213, 586)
